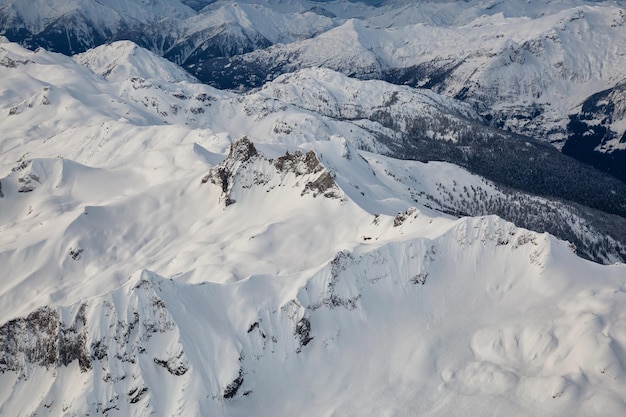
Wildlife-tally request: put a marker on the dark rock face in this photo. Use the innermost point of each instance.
(323, 185)
(303, 332)
(308, 164)
(242, 152)
(172, 365)
(231, 390)
(42, 339)
(589, 132)
(54, 337)
(299, 163)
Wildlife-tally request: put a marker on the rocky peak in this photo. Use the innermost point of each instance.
(299, 163)
(242, 150)
(245, 167)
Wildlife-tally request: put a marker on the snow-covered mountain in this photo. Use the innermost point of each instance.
(74, 26)
(174, 249)
(518, 63)
(526, 74)
(136, 100)
(167, 27)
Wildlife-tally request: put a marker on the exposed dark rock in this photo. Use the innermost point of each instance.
(205, 98)
(231, 390)
(242, 150)
(41, 339)
(402, 217)
(324, 185)
(330, 299)
(300, 164)
(99, 350)
(33, 339)
(399, 219)
(174, 365)
(73, 342)
(253, 326)
(303, 332)
(44, 339)
(419, 278)
(224, 176)
(28, 182)
(76, 253)
(333, 301)
(339, 264)
(137, 394)
(589, 132)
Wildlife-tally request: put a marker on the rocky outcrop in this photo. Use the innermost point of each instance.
(43, 339)
(90, 333)
(245, 167)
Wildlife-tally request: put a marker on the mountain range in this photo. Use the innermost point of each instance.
(218, 208)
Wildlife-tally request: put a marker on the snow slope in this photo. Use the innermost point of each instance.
(174, 249)
(123, 60)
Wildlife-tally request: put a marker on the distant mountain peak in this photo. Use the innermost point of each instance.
(122, 60)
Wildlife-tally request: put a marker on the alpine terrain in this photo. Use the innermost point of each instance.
(312, 208)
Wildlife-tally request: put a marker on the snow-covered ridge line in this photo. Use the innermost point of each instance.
(148, 343)
(123, 60)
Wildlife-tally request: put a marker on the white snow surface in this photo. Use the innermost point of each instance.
(200, 269)
(123, 60)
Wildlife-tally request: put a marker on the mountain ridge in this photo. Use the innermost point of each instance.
(176, 249)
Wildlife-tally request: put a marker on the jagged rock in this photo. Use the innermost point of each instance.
(329, 297)
(324, 185)
(42, 339)
(47, 338)
(253, 326)
(299, 163)
(303, 332)
(419, 278)
(136, 394)
(75, 254)
(173, 365)
(237, 168)
(242, 150)
(231, 390)
(402, 217)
